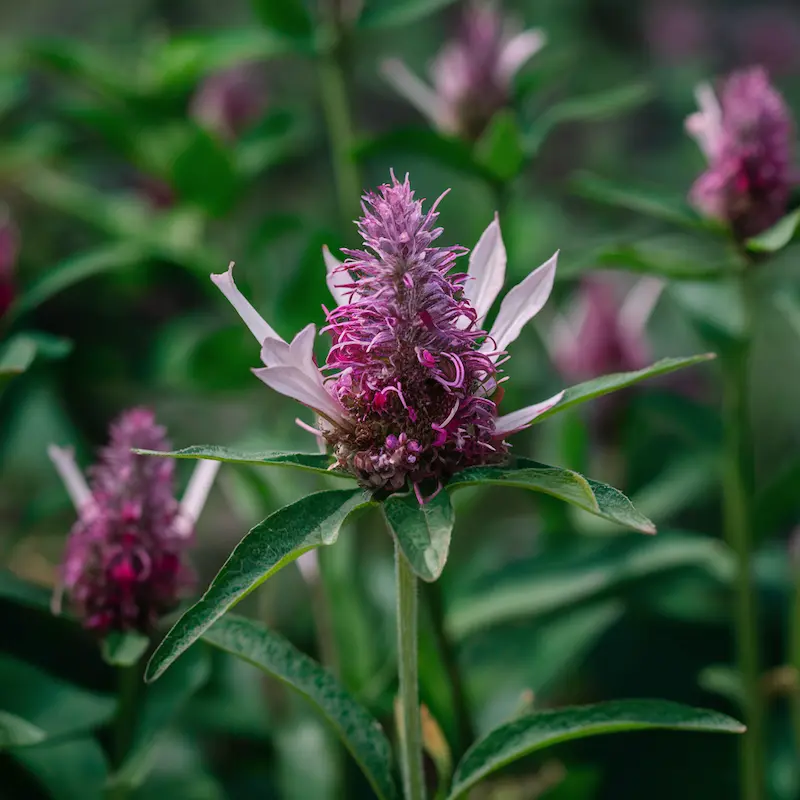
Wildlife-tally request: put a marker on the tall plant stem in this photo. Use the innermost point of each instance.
(130, 681)
(737, 492)
(410, 723)
(338, 119)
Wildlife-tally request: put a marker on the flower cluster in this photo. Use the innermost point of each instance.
(410, 388)
(125, 560)
(747, 137)
(472, 74)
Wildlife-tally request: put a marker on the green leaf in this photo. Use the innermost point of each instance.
(18, 732)
(600, 106)
(564, 484)
(776, 237)
(288, 17)
(716, 309)
(124, 649)
(270, 652)
(393, 13)
(15, 357)
(643, 201)
(597, 387)
(58, 708)
(555, 583)
(422, 531)
(313, 462)
(14, 588)
(282, 537)
(726, 682)
(74, 769)
(160, 703)
(500, 147)
(546, 728)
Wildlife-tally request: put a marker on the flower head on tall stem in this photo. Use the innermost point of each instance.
(410, 387)
(125, 560)
(472, 74)
(747, 135)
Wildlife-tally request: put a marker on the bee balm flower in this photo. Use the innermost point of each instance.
(747, 137)
(472, 74)
(124, 564)
(409, 390)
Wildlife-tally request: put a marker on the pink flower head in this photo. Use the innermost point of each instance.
(747, 137)
(125, 559)
(230, 101)
(472, 74)
(601, 334)
(408, 390)
(9, 246)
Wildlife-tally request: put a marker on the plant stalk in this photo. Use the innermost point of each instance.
(737, 497)
(410, 724)
(129, 681)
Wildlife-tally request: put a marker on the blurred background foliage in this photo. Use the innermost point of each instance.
(125, 191)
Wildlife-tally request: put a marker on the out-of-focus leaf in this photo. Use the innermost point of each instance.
(16, 356)
(597, 387)
(436, 746)
(284, 536)
(313, 462)
(543, 729)
(500, 148)
(12, 90)
(776, 237)
(282, 134)
(273, 654)
(725, 681)
(564, 484)
(776, 501)
(393, 13)
(600, 106)
(20, 591)
(58, 708)
(18, 732)
(556, 583)
(158, 706)
(74, 769)
(446, 150)
(124, 648)
(789, 305)
(74, 269)
(644, 201)
(715, 309)
(288, 17)
(204, 174)
(422, 531)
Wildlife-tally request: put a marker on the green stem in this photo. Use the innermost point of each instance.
(737, 495)
(130, 681)
(410, 722)
(340, 129)
(794, 659)
(464, 723)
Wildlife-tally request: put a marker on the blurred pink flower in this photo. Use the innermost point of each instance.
(599, 334)
(227, 103)
(124, 562)
(748, 138)
(472, 74)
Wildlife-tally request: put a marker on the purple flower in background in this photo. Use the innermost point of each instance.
(125, 559)
(9, 247)
(599, 334)
(472, 74)
(747, 136)
(227, 103)
(410, 387)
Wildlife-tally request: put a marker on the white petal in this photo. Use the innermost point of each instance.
(705, 125)
(308, 564)
(416, 91)
(332, 264)
(520, 305)
(517, 51)
(299, 385)
(63, 459)
(638, 306)
(518, 420)
(258, 326)
(194, 498)
(299, 354)
(487, 270)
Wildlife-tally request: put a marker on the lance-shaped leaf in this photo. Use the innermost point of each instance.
(282, 537)
(16, 357)
(776, 237)
(124, 648)
(592, 496)
(313, 462)
(274, 655)
(394, 13)
(546, 728)
(605, 384)
(18, 732)
(422, 531)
